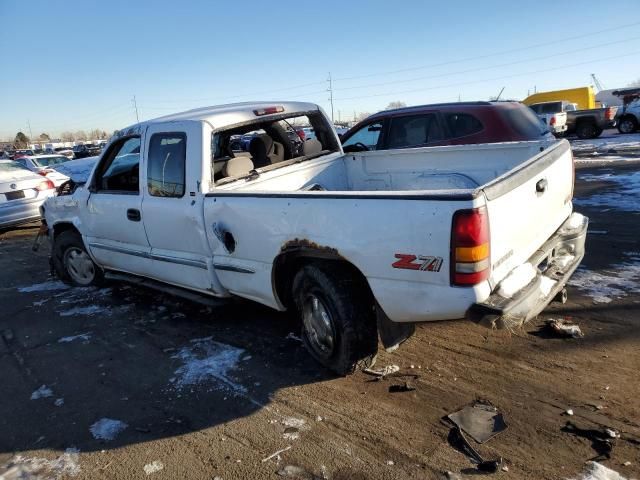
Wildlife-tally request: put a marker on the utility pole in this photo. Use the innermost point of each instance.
(135, 106)
(330, 90)
(30, 133)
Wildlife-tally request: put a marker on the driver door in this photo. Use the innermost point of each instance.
(117, 236)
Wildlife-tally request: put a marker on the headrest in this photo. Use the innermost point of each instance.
(260, 146)
(311, 147)
(237, 166)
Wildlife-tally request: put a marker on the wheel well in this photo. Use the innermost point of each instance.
(58, 228)
(630, 117)
(287, 264)
(584, 120)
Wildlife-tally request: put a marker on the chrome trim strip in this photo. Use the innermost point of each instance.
(232, 268)
(161, 258)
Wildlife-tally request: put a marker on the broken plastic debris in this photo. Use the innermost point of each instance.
(565, 329)
(405, 387)
(153, 467)
(481, 421)
(388, 370)
(612, 433)
(569, 412)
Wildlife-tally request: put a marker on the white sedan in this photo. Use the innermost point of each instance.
(47, 166)
(21, 193)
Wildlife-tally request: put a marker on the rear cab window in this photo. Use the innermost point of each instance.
(166, 164)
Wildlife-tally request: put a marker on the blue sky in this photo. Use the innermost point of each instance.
(77, 64)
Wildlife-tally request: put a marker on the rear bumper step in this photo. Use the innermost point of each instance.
(555, 262)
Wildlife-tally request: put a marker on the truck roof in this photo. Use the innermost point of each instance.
(230, 114)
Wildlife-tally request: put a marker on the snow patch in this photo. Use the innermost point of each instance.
(82, 336)
(605, 285)
(206, 360)
(37, 468)
(48, 286)
(597, 471)
(625, 196)
(42, 392)
(59, 402)
(519, 278)
(107, 429)
(89, 310)
(153, 467)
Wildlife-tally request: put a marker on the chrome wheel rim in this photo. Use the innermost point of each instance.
(79, 266)
(318, 325)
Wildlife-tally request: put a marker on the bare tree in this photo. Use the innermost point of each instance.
(396, 104)
(635, 83)
(362, 115)
(21, 140)
(67, 137)
(44, 137)
(81, 135)
(95, 134)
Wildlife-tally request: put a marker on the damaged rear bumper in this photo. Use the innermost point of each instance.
(555, 262)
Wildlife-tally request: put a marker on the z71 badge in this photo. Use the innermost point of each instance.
(417, 262)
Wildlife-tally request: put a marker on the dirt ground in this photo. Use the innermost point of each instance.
(218, 407)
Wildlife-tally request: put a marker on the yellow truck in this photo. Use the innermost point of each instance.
(585, 97)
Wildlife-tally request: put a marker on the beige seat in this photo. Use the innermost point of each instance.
(311, 147)
(237, 166)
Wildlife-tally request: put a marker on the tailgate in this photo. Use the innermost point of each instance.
(527, 205)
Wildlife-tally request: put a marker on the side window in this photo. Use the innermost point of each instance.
(462, 124)
(166, 164)
(119, 169)
(368, 136)
(535, 108)
(414, 130)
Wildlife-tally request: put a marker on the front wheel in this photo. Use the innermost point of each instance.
(338, 318)
(72, 263)
(627, 125)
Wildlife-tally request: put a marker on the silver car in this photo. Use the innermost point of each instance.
(47, 166)
(21, 193)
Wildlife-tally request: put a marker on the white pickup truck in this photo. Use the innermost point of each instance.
(362, 245)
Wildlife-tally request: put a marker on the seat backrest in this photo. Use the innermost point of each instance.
(237, 166)
(277, 153)
(260, 148)
(311, 147)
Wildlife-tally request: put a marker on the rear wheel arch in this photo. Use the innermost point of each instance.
(58, 228)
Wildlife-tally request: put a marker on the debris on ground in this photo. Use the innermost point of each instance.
(107, 429)
(405, 387)
(20, 467)
(597, 471)
(299, 473)
(601, 441)
(42, 392)
(458, 441)
(564, 328)
(569, 412)
(277, 453)
(481, 421)
(388, 370)
(153, 467)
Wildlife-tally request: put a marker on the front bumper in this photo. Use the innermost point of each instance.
(555, 262)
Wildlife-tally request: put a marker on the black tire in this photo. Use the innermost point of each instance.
(627, 124)
(586, 130)
(64, 245)
(350, 310)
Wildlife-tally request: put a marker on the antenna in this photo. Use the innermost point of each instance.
(500, 94)
(597, 83)
(330, 90)
(135, 106)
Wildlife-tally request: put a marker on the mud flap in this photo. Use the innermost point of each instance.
(392, 334)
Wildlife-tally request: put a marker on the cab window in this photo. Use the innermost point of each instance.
(366, 138)
(414, 130)
(166, 164)
(119, 169)
(462, 124)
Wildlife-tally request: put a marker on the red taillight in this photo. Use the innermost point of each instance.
(553, 120)
(470, 253)
(45, 185)
(300, 134)
(268, 111)
(608, 113)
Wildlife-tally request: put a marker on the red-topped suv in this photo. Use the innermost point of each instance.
(445, 124)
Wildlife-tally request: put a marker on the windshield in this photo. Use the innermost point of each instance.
(49, 161)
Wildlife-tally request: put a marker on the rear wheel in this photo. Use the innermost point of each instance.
(338, 318)
(627, 125)
(586, 130)
(72, 263)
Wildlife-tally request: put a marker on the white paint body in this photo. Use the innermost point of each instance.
(374, 205)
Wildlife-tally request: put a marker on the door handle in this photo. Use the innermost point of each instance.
(133, 214)
(541, 185)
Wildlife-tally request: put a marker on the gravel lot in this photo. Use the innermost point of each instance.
(127, 383)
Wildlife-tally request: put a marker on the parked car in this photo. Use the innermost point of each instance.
(445, 124)
(86, 150)
(584, 123)
(628, 117)
(47, 166)
(23, 153)
(552, 115)
(22, 192)
(361, 245)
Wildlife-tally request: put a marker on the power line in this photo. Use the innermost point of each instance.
(490, 67)
(135, 107)
(503, 52)
(489, 79)
(330, 90)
